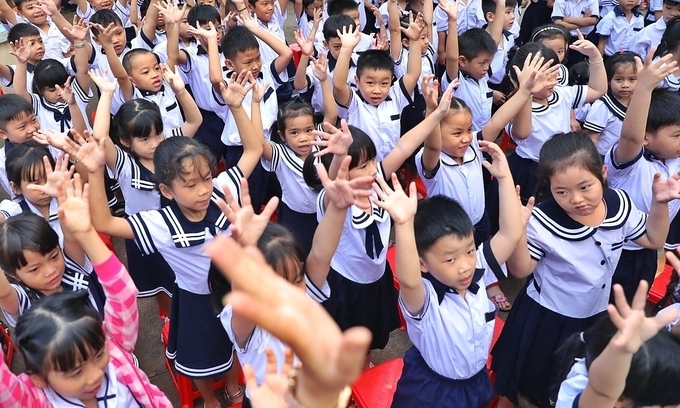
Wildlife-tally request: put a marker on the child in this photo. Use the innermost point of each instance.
(670, 45)
(468, 58)
(650, 36)
(375, 106)
(471, 16)
(305, 12)
(580, 19)
(270, 15)
(548, 112)
(575, 235)
(63, 334)
(626, 359)
(618, 27)
(646, 147)
(87, 8)
(499, 29)
(352, 9)
(30, 37)
(606, 114)
(556, 38)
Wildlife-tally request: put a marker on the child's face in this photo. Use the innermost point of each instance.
(316, 4)
(670, 11)
(208, 2)
(52, 95)
(298, 134)
(424, 42)
(101, 4)
(476, 67)
(37, 198)
(548, 89)
(365, 168)
(192, 189)
(452, 261)
(354, 14)
(84, 381)
(35, 43)
(42, 272)
(145, 72)
(184, 27)
(249, 60)
(558, 45)
(456, 131)
(628, 4)
(145, 147)
(577, 190)
(665, 142)
(374, 85)
(508, 18)
(624, 81)
(263, 9)
(33, 13)
(205, 26)
(21, 129)
(118, 39)
(334, 45)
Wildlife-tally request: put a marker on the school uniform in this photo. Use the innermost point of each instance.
(670, 82)
(365, 42)
(652, 8)
(546, 121)
(161, 51)
(381, 123)
(648, 38)
(476, 94)
(275, 28)
(574, 8)
(414, 113)
(470, 15)
(562, 76)
(446, 366)
(573, 386)
(360, 280)
(305, 22)
(56, 45)
(102, 64)
(166, 101)
(123, 12)
(574, 261)
(197, 341)
(57, 116)
(606, 118)
(618, 30)
(500, 58)
(314, 85)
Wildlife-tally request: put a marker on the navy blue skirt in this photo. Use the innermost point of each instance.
(633, 267)
(150, 273)
(525, 173)
(301, 225)
(197, 341)
(371, 305)
(524, 357)
(420, 386)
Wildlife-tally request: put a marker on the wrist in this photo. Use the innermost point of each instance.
(78, 45)
(179, 91)
(312, 396)
(84, 235)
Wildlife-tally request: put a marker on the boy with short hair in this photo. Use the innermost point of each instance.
(618, 27)
(271, 16)
(468, 58)
(376, 104)
(30, 36)
(650, 36)
(351, 9)
(499, 29)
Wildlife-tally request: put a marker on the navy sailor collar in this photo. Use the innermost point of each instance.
(614, 106)
(559, 223)
(60, 111)
(141, 177)
(186, 233)
(332, 62)
(618, 12)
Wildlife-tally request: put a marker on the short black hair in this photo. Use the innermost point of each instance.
(203, 14)
(439, 216)
(474, 42)
(12, 107)
(335, 23)
(489, 6)
(336, 7)
(238, 39)
(663, 109)
(25, 162)
(104, 18)
(48, 73)
(22, 30)
(374, 59)
(673, 3)
(19, 3)
(127, 59)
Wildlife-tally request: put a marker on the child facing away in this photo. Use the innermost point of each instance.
(647, 146)
(575, 234)
(670, 45)
(649, 37)
(442, 276)
(72, 356)
(618, 27)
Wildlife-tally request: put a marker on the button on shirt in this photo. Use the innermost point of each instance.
(570, 8)
(619, 30)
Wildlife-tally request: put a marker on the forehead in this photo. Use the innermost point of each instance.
(625, 69)
(352, 13)
(194, 167)
(458, 118)
(483, 56)
(300, 121)
(21, 117)
(144, 59)
(573, 174)
(34, 257)
(248, 54)
(376, 74)
(29, 3)
(450, 244)
(556, 42)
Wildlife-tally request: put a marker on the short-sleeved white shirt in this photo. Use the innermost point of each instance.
(197, 73)
(275, 28)
(296, 194)
(500, 59)
(166, 101)
(572, 8)
(573, 385)
(648, 38)
(314, 84)
(470, 15)
(136, 182)
(57, 116)
(619, 30)
(476, 94)
(606, 117)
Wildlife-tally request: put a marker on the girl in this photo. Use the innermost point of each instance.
(179, 232)
(606, 114)
(556, 38)
(626, 360)
(305, 13)
(549, 111)
(670, 44)
(573, 243)
(362, 290)
(287, 258)
(73, 358)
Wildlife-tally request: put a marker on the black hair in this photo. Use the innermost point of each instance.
(522, 54)
(13, 107)
(474, 42)
(457, 105)
(25, 162)
(307, 3)
(579, 73)
(673, 3)
(550, 32)
(134, 53)
(654, 370)
(19, 3)
(663, 109)
(26, 231)
(47, 74)
(620, 58)
(489, 6)
(335, 23)
(203, 14)
(135, 118)
(22, 30)
(405, 21)
(309, 173)
(439, 216)
(564, 150)
(374, 59)
(279, 247)
(104, 18)
(294, 108)
(173, 154)
(670, 40)
(60, 332)
(238, 39)
(336, 7)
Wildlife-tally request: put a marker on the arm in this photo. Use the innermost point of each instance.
(83, 52)
(298, 9)
(172, 16)
(495, 28)
(9, 299)
(193, 117)
(658, 221)
(415, 64)
(602, 43)
(433, 142)
(115, 64)
(320, 71)
(102, 119)
(214, 66)
(77, 118)
(19, 85)
(341, 90)
(451, 39)
(395, 33)
(151, 20)
(428, 16)
(51, 9)
(598, 84)
(8, 13)
(285, 53)
(307, 48)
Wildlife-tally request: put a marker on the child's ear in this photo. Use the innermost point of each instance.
(405, 42)
(96, 41)
(166, 191)
(489, 17)
(15, 189)
(423, 266)
(645, 141)
(604, 172)
(462, 61)
(37, 380)
(3, 134)
(229, 64)
(356, 79)
(325, 45)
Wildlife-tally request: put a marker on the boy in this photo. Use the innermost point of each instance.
(351, 9)
(30, 36)
(649, 144)
(375, 105)
(618, 27)
(576, 15)
(442, 296)
(122, 8)
(468, 58)
(499, 29)
(271, 16)
(650, 36)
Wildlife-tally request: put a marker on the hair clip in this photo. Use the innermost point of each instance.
(542, 30)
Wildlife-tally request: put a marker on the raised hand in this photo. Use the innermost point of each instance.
(525, 209)
(451, 10)
(102, 81)
(20, 51)
(272, 392)
(445, 101)
(652, 72)
(87, 151)
(259, 91)
(585, 47)
(306, 45)
(237, 88)
(48, 137)
(499, 168)
(66, 92)
(667, 190)
(402, 207)
(74, 208)
(172, 14)
(173, 78)
(199, 31)
(380, 42)
(53, 176)
(78, 30)
(415, 27)
(430, 89)
(247, 20)
(320, 67)
(334, 140)
(48, 7)
(105, 34)
(344, 193)
(348, 38)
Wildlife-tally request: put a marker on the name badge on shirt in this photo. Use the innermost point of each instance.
(489, 94)
(489, 316)
(395, 117)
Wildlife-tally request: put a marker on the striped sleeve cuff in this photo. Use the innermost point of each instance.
(320, 295)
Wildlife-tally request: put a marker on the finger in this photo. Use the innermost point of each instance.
(353, 348)
(615, 317)
(287, 362)
(77, 186)
(530, 203)
(270, 208)
(640, 298)
(249, 375)
(620, 300)
(672, 258)
(271, 361)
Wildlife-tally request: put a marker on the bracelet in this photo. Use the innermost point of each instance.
(596, 62)
(80, 45)
(242, 10)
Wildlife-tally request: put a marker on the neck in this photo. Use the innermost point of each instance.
(624, 101)
(148, 163)
(193, 215)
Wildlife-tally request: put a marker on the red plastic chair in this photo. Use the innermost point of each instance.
(391, 259)
(507, 143)
(8, 346)
(375, 387)
(183, 385)
(658, 289)
(297, 54)
(498, 328)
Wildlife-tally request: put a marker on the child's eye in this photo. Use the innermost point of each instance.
(55, 256)
(586, 187)
(33, 270)
(144, 139)
(450, 260)
(470, 252)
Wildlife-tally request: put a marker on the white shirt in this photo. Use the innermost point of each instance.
(427, 63)
(576, 261)
(197, 73)
(275, 28)
(57, 116)
(463, 183)
(572, 8)
(296, 194)
(648, 38)
(454, 336)
(137, 183)
(549, 120)
(470, 15)
(573, 385)
(500, 58)
(671, 82)
(314, 84)
(619, 30)
(476, 94)
(111, 394)
(55, 43)
(563, 76)
(606, 117)
(166, 101)
(123, 12)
